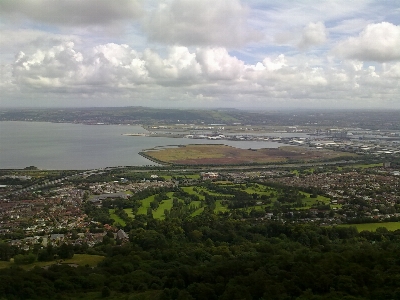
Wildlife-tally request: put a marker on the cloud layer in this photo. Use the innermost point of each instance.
(206, 22)
(72, 12)
(198, 53)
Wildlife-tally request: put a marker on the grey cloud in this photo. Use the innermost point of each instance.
(313, 34)
(72, 12)
(201, 23)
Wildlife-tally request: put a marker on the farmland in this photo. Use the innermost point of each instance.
(227, 155)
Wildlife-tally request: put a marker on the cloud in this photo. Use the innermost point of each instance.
(72, 12)
(313, 34)
(217, 64)
(377, 42)
(203, 74)
(180, 67)
(392, 70)
(349, 26)
(56, 67)
(200, 23)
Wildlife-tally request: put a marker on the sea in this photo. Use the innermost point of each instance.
(67, 146)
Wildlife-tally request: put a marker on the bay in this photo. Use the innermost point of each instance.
(66, 146)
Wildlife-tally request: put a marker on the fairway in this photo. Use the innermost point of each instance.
(219, 207)
(129, 212)
(392, 226)
(309, 202)
(116, 218)
(159, 212)
(261, 190)
(197, 212)
(145, 205)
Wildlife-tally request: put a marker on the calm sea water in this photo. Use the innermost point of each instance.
(64, 146)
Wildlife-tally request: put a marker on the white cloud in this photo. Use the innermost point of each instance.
(217, 64)
(201, 23)
(54, 67)
(377, 42)
(178, 68)
(211, 74)
(392, 70)
(313, 34)
(72, 12)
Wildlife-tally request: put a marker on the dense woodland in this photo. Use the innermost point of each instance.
(221, 257)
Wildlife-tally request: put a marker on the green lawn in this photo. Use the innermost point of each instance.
(312, 201)
(197, 212)
(159, 212)
(164, 205)
(192, 176)
(189, 190)
(373, 226)
(116, 218)
(79, 259)
(196, 203)
(5, 264)
(257, 188)
(361, 166)
(210, 192)
(145, 205)
(129, 212)
(219, 207)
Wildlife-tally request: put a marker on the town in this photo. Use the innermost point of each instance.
(66, 210)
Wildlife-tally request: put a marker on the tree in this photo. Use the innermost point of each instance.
(105, 292)
(21, 259)
(65, 251)
(6, 252)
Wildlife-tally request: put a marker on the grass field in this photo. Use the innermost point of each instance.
(222, 154)
(392, 226)
(360, 166)
(312, 201)
(79, 259)
(260, 189)
(116, 218)
(129, 212)
(192, 176)
(145, 205)
(159, 212)
(219, 207)
(365, 166)
(189, 190)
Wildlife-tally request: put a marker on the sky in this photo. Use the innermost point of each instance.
(254, 54)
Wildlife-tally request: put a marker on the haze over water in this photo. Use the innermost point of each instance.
(65, 146)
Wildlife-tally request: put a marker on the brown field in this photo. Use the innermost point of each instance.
(222, 155)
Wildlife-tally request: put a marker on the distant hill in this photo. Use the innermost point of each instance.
(143, 115)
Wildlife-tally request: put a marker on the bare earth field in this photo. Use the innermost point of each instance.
(227, 155)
